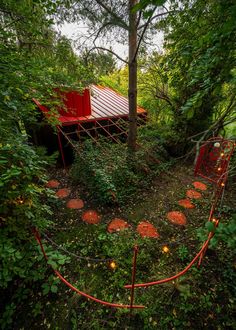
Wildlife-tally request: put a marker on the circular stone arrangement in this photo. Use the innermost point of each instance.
(177, 218)
(193, 194)
(91, 217)
(52, 184)
(75, 203)
(200, 185)
(146, 229)
(116, 225)
(186, 203)
(63, 193)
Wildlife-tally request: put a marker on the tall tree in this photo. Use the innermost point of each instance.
(127, 22)
(202, 62)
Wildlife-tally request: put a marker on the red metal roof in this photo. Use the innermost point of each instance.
(105, 103)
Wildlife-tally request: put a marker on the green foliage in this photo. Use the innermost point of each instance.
(225, 233)
(118, 80)
(100, 64)
(105, 172)
(109, 176)
(31, 65)
(201, 62)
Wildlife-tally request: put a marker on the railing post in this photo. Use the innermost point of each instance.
(133, 276)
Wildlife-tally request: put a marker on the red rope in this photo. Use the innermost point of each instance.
(73, 288)
(200, 256)
(165, 280)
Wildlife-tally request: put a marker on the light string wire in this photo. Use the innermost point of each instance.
(59, 247)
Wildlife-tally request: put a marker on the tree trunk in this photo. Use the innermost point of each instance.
(132, 92)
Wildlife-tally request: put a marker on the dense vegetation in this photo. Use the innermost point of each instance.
(189, 92)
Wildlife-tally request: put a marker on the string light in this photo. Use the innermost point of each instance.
(165, 249)
(19, 200)
(222, 154)
(214, 220)
(112, 265)
(222, 184)
(219, 169)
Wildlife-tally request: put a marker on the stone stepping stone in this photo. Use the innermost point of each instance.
(177, 218)
(116, 225)
(75, 203)
(91, 217)
(63, 193)
(186, 203)
(146, 229)
(199, 185)
(52, 184)
(193, 194)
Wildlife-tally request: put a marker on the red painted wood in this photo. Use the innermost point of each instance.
(213, 159)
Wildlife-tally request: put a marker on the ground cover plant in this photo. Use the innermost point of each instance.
(186, 302)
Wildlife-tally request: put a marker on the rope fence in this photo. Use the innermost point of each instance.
(214, 215)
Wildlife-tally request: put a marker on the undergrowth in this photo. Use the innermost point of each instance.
(111, 175)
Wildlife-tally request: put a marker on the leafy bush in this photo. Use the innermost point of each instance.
(225, 232)
(23, 206)
(108, 173)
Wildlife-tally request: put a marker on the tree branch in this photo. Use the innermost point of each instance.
(158, 15)
(139, 17)
(143, 32)
(100, 30)
(108, 10)
(110, 51)
(164, 98)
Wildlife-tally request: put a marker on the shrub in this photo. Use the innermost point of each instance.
(23, 206)
(109, 175)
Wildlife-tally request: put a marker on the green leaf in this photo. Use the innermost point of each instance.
(54, 288)
(190, 113)
(210, 227)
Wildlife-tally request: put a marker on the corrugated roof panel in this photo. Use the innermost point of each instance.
(112, 103)
(108, 100)
(105, 103)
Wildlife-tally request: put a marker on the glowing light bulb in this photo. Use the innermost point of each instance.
(217, 144)
(20, 200)
(113, 265)
(219, 169)
(165, 249)
(222, 154)
(214, 220)
(222, 184)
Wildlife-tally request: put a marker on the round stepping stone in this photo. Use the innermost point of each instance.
(52, 184)
(91, 216)
(75, 204)
(200, 185)
(146, 229)
(177, 218)
(193, 194)
(63, 193)
(116, 225)
(186, 203)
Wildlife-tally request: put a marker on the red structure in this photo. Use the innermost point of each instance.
(98, 110)
(213, 159)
